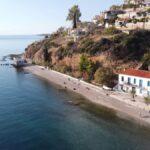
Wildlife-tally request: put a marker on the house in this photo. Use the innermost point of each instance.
(147, 3)
(141, 3)
(132, 19)
(137, 80)
(135, 2)
(75, 34)
(83, 29)
(110, 17)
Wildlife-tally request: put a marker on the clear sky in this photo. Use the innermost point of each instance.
(44, 16)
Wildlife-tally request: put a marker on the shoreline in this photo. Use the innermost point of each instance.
(93, 94)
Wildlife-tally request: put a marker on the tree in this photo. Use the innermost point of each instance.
(74, 15)
(146, 61)
(147, 100)
(111, 31)
(115, 7)
(47, 56)
(148, 10)
(87, 67)
(133, 93)
(105, 76)
(83, 63)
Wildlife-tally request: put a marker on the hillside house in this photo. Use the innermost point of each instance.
(132, 19)
(137, 80)
(135, 2)
(75, 34)
(147, 3)
(110, 17)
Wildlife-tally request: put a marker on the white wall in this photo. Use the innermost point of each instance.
(144, 87)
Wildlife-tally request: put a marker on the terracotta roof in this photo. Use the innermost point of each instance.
(137, 73)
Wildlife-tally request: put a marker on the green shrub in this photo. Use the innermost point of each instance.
(147, 100)
(87, 67)
(111, 31)
(132, 46)
(105, 76)
(148, 10)
(64, 52)
(146, 61)
(70, 44)
(95, 48)
(146, 58)
(135, 20)
(86, 45)
(53, 44)
(65, 69)
(115, 7)
(126, 6)
(33, 63)
(60, 53)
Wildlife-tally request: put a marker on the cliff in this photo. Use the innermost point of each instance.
(115, 50)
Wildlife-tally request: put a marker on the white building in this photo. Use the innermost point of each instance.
(136, 2)
(19, 62)
(137, 80)
(75, 34)
(146, 3)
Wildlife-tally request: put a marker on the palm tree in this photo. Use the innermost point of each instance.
(74, 15)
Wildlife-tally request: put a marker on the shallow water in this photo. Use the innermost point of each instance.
(37, 115)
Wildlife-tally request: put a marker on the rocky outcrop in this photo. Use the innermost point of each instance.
(116, 51)
(35, 51)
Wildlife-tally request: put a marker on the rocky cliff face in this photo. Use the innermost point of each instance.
(35, 51)
(115, 51)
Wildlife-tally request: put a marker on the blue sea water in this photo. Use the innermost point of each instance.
(36, 115)
(15, 44)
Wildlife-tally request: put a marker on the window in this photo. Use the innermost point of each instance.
(122, 78)
(129, 80)
(140, 83)
(148, 83)
(148, 93)
(134, 81)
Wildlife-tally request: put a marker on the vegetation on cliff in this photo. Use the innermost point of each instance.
(87, 57)
(96, 56)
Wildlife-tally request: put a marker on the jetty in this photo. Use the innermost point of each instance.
(5, 64)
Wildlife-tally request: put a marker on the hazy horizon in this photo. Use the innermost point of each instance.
(32, 17)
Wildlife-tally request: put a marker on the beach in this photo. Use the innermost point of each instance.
(120, 103)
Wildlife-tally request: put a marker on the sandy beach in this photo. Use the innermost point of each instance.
(121, 103)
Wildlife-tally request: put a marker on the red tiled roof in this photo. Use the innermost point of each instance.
(137, 73)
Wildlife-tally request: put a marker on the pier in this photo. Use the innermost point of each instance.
(5, 64)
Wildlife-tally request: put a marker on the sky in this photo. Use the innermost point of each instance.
(18, 17)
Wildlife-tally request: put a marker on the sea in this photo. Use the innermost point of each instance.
(38, 115)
